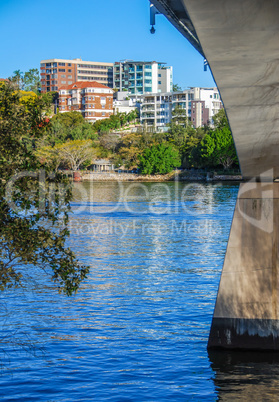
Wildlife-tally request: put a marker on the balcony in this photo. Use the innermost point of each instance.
(148, 102)
(148, 117)
(147, 110)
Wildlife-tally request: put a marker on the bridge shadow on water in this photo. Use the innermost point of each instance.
(245, 376)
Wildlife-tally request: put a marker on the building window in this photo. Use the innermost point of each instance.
(159, 75)
(70, 70)
(70, 76)
(69, 64)
(159, 82)
(61, 70)
(103, 114)
(70, 82)
(103, 106)
(63, 76)
(61, 64)
(63, 82)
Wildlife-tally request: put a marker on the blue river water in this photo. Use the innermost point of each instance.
(137, 329)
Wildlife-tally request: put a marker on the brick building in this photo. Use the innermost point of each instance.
(56, 73)
(92, 99)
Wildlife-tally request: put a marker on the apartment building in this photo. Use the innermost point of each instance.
(92, 99)
(138, 77)
(200, 105)
(122, 103)
(56, 73)
(206, 103)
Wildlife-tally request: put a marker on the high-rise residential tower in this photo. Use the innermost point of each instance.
(138, 77)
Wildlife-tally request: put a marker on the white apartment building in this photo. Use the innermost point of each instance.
(122, 103)
(139, 77)
(200, 104)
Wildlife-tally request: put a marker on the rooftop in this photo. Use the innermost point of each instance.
(85, 84)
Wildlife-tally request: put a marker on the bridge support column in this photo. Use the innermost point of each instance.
(246, 314)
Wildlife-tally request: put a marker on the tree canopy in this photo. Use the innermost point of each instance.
(34, 203)
(28, 81)
(160, 159)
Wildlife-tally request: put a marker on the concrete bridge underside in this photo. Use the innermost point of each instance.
(240, 40)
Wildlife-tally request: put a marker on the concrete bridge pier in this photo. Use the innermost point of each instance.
(246, 314)
(240, 41)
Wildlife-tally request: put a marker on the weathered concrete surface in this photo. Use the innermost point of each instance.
(247, 308)
(240, 40)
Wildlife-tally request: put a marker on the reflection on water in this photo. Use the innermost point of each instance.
(137, 329)
(246, 376)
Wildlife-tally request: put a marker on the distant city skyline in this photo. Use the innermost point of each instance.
(106, 31)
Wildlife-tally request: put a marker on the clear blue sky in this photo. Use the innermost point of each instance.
(95, 30)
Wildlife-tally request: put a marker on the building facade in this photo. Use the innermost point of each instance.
(122, 103)
(56, 73)
(200, 105)
(138, 77)
(92, 99)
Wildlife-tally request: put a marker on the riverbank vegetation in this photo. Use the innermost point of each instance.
(184, 146)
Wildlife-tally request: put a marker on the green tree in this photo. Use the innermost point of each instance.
(34, 204)
(216, 149)
(75, 153)
(68, 126)
(28, 81)
(69, 119)
(159, 159)
(176, 88)
(220, 120)
(31, 80)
